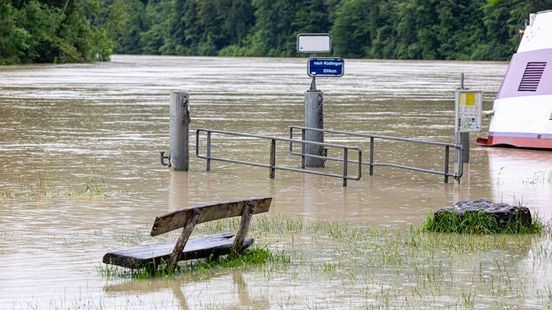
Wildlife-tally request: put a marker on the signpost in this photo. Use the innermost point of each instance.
(328, 67)
(314, 98)
(468, 105)
(468, 110)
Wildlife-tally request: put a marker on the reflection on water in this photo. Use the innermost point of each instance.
(65, 126)
(231, 290)
(523, 176)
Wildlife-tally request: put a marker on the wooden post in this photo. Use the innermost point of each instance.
(179, 122)
(182, 240)
(247, 213)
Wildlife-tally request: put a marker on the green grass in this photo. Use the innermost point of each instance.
(4, 193)
(40, 188)
(375, 267)
(478, 223)
(252, 257)
(90, 188)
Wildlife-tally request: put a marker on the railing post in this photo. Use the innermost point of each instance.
(447, 153)
(291, 138)
(345, 165)
(208, 151)
(371, 172)
(272, 173)
(303, 159)
(197, 143)
(359, 171)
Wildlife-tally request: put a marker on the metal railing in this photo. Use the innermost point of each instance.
(272, 161)
(457, 174)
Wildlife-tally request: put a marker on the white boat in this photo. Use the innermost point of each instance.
(522, 110)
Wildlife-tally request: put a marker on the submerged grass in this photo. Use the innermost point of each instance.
(250, 258)
(40, 188)
(4, 193)
(90, 188)
(343, 265)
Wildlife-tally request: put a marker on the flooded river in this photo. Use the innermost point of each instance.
(80, 172)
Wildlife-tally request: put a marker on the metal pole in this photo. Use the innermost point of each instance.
(345, 164)
(447, 153)
(291, 138)
(303, 158)
(458, 156)
(208, 151)
(272, 173)
(314, 118)
(464, 138)
(460, 167)
(371, 172)
(179, 123)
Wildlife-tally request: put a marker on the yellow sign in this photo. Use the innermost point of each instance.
(467, 99)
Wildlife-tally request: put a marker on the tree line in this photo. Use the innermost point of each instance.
(84, 30)
(51, 31)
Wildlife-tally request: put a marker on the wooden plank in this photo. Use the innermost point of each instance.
(202, 247)
(178, 219)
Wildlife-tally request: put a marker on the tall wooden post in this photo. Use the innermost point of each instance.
(179, 123)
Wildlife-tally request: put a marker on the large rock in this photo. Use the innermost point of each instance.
(503, 213)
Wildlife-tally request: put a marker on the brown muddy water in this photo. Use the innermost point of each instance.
(80, 176)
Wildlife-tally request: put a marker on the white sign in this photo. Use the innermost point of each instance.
(314, 43)
(469, 107)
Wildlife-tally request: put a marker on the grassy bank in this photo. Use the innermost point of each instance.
(334, 264)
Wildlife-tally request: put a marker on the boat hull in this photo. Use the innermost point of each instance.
(522, 111)
(522, 140)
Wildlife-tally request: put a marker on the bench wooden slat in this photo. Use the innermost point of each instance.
(201, 247)
(177, 219)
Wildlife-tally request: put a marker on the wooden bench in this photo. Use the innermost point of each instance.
(202, 247)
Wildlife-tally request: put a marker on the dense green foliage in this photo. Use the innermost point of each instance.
(402, 29)
(51, 31)
(73, 30)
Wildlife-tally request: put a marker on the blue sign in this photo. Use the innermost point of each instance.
(334, 67)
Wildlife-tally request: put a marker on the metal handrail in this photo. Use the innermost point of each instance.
(457, 174)
(272, 165)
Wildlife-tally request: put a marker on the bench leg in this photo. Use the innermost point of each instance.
(247, 213)
(182, 240)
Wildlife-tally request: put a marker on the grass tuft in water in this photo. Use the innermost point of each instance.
(4, 193)
(479, 223)
(90, 188)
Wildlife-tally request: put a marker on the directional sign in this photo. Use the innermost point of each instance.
(333, 67)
